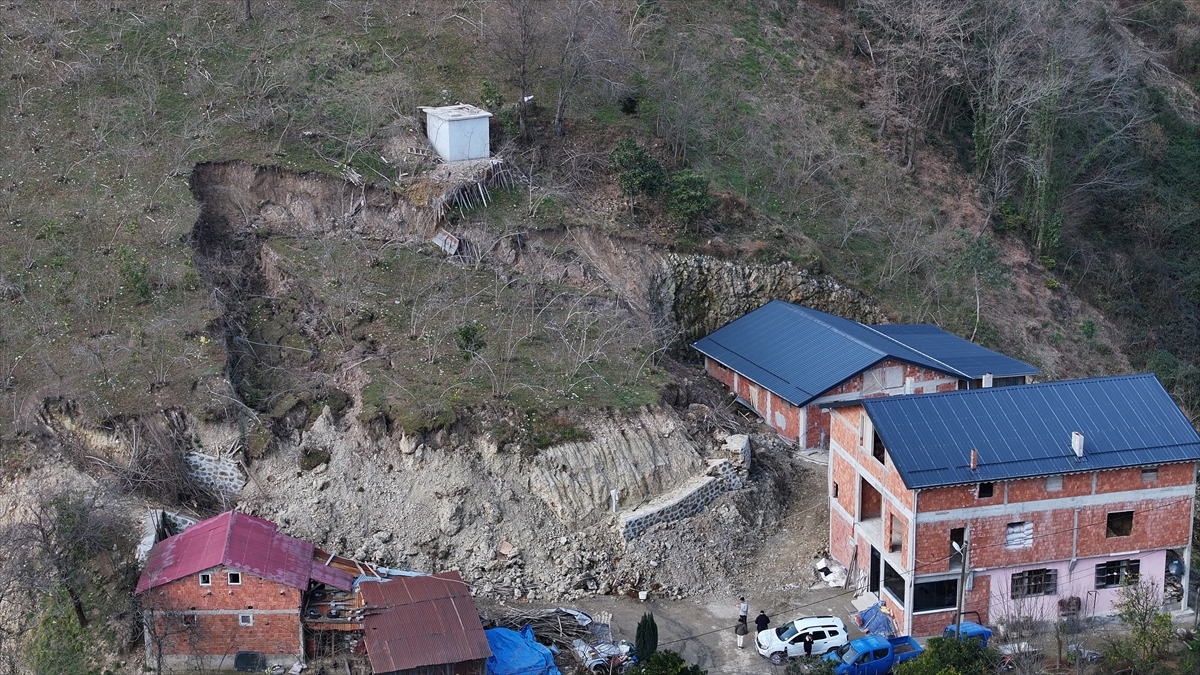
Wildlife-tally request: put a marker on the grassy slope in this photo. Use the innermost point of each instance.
(107, 105)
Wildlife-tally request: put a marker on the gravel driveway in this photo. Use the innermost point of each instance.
(702, 630)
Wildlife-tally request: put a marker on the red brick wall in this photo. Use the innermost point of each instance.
(778, 413)
(847, 482)
(841, 546)
(1131, 479)
(816, 423)
(220, 633)
(957, 497)
(933, 545)
(1158, 522)
(895, 525)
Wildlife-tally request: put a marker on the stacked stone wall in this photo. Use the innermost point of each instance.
(722, 477)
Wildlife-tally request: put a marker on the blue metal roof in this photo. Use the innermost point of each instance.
(1023, 432)
(799, 353)
(963, 355)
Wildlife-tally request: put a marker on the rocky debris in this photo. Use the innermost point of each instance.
(467, 506)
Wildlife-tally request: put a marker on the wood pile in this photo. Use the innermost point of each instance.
(555, 626)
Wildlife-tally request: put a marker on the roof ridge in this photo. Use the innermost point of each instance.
(833, 328)
(1023, 387)
(952, 370)
(226, 558)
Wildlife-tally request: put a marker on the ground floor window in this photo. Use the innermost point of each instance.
(894, 583)
(933, 595)
(1116, 572)
(1034, 582)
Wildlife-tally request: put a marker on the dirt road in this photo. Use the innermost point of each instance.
(701, 630)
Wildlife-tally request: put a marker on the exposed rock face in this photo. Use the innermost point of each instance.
(701, 294)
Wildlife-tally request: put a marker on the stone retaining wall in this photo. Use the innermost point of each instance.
(217, 473)
(721, 478)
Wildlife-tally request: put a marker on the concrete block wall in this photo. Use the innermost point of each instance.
(722, 477)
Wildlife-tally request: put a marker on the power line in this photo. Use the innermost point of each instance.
(784, 610)
(974, 549)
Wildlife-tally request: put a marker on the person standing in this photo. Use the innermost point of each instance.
(743, 610)
(740, 631)
(808, 644)
(761, 622)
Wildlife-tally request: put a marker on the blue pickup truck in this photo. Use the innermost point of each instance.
(874, 655)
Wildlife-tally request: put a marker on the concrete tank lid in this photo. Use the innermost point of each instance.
(462, 111)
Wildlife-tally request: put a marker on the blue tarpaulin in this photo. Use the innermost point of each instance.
(875, 620)
(516, 653)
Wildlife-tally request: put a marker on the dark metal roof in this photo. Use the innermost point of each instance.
(1023, 432)
(799, 353)
(961, 354)
(421, 621)
(242, 542)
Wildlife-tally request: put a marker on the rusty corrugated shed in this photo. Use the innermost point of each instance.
(421, 621)
(242, 542)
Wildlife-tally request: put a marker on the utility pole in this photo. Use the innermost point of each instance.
(962, 586)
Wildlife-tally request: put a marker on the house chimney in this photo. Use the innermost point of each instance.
(974, 459)
(909, 385)
(987, 380)
(1077, 443)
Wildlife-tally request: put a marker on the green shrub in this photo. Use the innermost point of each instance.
(688, 196)
(637, 172)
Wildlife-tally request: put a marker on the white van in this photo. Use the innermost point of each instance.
(787, 641)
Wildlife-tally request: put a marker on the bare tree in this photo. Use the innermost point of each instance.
(168, 626)
(590, 48)
(517, 33)
(63, 535)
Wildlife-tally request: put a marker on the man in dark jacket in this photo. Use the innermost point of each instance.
(761, 621)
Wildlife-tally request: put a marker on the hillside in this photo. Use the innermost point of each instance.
(217, 225)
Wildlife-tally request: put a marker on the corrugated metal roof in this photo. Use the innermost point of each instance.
(964, 355)
(1023, 432)
(421, 621)
(242, 542)
(800, 353)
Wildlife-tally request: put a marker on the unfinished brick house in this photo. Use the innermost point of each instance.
(232, 592)
(1059, 492)
(788, 362)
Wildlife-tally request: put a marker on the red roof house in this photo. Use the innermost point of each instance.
(228, 585)
(232, 592)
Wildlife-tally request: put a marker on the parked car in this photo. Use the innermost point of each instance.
(970, 631)
(874, 655)
(787, 641)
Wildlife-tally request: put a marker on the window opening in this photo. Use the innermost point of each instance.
(1034, 582)
(1149, 473)
(957, 536)
(935, 595)
(206, 579)
(235, 578)
(877, 448)
(1116, 572)
(986, 490)
(897, 540)
(1054, 483)
(245, 619)
(1120, 524)
(894, 583)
